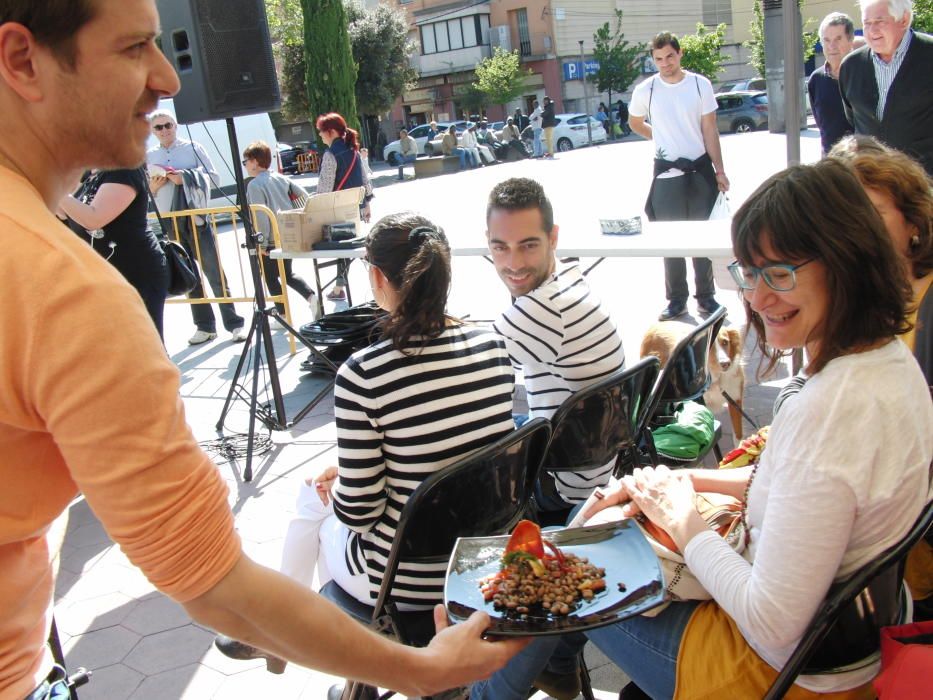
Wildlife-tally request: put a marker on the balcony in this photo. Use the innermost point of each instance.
(533, 47)
(454, 61)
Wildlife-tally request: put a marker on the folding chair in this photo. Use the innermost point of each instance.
(484, 494)
(685, 377)
(846, 630)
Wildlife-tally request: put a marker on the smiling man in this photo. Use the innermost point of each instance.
(837, 34)
(886, 86)
(556, 330)
(90, 400)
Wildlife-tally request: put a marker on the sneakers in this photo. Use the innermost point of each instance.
(201, 337)
(707, 305)
(237, 335)
(675, 309)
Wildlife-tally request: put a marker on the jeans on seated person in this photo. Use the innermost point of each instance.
(473, 155)
(403, 161)
(462, 155)
(645, 648)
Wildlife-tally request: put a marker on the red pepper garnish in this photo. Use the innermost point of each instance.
(526, 537)
(557, 553)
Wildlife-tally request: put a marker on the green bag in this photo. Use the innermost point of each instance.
(689, 436)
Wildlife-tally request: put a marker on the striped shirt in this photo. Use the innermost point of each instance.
(886, 72)
(564, 340)
(400, 419)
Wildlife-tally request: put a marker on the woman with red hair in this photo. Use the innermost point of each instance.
(342, 168)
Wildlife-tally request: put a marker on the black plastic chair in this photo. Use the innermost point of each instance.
(846, 629)
(685, 377)
(484, 494)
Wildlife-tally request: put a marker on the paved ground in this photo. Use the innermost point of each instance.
(142, 645)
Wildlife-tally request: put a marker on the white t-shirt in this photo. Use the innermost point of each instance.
(844, 477)
(675, 111)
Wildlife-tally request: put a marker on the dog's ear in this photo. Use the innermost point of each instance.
(735, 339)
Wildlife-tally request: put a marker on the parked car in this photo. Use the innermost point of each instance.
(420, 134)
(743, 86)
(740, 112)
(288, 156)
(570, 132)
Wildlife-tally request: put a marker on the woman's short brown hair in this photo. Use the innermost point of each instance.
(260, 152)
(821, 212)
(904, 180)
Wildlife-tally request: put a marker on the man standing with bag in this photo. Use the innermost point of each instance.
(677, 110)
(535, 119)
(548, 122)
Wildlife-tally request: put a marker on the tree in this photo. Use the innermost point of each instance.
(703, 51)
(330, 72)
(619, 62)
(381, 49)
(287, 31)
(756, 45)
(501, 77)
(470, 98)
(923, 16)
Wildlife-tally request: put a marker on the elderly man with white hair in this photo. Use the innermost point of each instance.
(886, 86)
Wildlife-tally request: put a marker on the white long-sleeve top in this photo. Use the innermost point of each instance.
(468, 140)
(845, 475)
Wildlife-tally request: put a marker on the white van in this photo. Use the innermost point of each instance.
(213, 136)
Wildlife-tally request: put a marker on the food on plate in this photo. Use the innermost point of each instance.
(533, 579)
(748, 451)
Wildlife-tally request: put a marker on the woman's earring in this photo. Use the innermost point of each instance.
(915, 241)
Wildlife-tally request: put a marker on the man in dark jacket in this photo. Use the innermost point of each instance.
(886, 87)
(837, 34)
(548, 122)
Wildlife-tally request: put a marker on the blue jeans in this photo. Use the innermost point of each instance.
(203, 314)
(404, 160)
(462, 155)
(645, 648)
(538, 145)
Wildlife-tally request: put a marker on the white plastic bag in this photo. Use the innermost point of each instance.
(721, 208)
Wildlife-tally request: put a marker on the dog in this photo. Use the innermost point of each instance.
(727, 376)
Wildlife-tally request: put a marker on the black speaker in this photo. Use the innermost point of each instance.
(223, 55)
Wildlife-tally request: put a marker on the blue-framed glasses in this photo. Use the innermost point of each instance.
(781, 277)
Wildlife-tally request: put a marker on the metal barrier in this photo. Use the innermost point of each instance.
(215, 218)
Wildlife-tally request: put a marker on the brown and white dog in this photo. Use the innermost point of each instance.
(725, 364)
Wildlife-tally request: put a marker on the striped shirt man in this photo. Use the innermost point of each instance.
(400, 419)
(564, 340)
(885, 72)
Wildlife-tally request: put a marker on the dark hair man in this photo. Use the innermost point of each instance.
(556, 329)
(677, 110)
(886, 86)
(115, 429)
(837, 34)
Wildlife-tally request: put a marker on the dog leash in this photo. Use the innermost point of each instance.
(747, 417)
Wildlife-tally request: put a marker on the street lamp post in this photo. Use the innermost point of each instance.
(586, 98)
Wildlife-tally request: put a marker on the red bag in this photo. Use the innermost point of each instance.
(906, 662)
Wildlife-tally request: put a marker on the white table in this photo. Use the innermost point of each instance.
(658, 239)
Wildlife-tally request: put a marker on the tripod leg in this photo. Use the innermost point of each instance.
(254, 395)
(236, 375)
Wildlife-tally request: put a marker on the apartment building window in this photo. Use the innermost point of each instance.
(524, 38)
(717, 11)
(452, 34)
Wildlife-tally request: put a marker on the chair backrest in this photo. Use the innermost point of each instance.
(485, 493)
(597, 423)
(686, 375)
(847, 625)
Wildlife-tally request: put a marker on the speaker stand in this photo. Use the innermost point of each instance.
(259, 337)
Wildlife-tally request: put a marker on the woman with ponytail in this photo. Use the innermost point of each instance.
(342, 168)
(429, 392)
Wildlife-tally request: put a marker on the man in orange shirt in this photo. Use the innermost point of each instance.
(77, 79)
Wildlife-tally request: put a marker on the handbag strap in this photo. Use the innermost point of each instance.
(356, 155)
(163, 235)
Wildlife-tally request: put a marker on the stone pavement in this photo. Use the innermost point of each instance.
(142, 645)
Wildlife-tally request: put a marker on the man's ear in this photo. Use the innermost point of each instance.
(552, 236)
(19, 64)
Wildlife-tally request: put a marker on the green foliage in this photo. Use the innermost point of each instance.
(381, 50)
(923, 16)
(330, 72)
(501, 76)
(470, 99)
(756, 45)
(703, 51)
(619, 61)
(287, 30)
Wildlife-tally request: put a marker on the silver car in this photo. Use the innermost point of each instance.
(741, 112)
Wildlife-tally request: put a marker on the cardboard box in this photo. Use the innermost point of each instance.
(300, 229)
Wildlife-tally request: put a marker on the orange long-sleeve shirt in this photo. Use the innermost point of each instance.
(89, 402)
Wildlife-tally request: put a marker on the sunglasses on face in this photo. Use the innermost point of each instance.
(159, 127)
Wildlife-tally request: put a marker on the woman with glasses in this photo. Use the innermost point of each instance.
(428, 392)
(844, 477)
